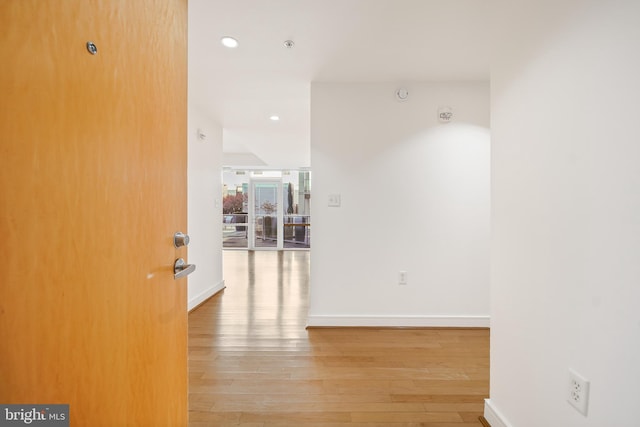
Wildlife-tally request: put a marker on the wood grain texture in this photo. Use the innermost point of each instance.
(253, 363)
(93, 151)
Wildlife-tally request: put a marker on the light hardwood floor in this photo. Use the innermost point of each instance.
(253, 363)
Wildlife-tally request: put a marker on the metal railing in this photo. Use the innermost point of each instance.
(296, 231)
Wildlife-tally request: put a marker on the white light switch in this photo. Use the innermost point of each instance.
(334, 200)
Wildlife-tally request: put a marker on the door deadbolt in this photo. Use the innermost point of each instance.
(180, 239)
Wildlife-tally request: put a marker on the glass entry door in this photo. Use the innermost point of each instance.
(265, 214)
(266, 210)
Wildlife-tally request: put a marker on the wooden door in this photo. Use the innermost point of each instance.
(93, 175)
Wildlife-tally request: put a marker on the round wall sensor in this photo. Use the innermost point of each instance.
(402, 94)
(445, 114)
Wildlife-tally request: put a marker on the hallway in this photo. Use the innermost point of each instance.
(253, 363)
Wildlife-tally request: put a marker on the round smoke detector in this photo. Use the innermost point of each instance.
(402, 94)
(289, 44)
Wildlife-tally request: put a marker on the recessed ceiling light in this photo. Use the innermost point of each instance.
(274, 118)
(229, 42)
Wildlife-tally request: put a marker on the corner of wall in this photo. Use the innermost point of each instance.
(204, 206)
(203, 296)
(493, 415)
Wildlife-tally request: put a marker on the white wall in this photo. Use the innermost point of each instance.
(205, 207)
(415, 197)
(565, 275)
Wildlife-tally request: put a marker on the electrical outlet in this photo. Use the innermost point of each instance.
(578, 392)
(402, 278)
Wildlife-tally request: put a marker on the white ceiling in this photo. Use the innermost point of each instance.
(335, 40)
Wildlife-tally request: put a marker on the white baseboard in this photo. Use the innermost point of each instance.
(205, 295)
(319, 321)
(493, 415)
